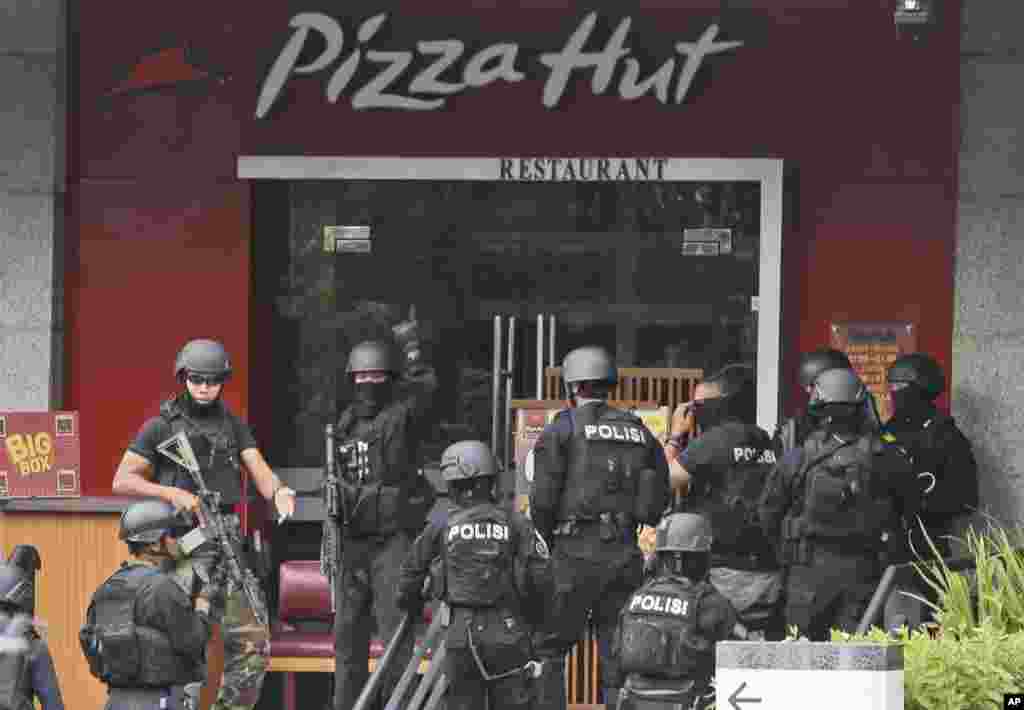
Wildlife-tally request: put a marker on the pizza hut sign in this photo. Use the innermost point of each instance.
(393, 85)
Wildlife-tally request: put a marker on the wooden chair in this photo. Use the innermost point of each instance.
(668, 386)
(304, 597)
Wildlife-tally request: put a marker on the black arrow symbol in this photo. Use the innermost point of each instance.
(735, 698)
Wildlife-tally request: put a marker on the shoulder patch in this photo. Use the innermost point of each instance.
(540, 547)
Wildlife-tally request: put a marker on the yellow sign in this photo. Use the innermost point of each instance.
(31, 453)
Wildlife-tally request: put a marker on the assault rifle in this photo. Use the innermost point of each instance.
(355, 469)
(330, 545)
(211, 520)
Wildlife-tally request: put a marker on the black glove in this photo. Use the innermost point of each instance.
(408, 337)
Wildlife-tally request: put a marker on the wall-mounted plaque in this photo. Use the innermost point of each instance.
(872, 347)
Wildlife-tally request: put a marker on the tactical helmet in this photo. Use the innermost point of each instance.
(17, 579)
(205, 357)
(732, 379)
(816, 362)
(589, 363)
(921, 370)
(468, 459)
(683, 532)
(371, 355)
(837, 386)
(148, 521)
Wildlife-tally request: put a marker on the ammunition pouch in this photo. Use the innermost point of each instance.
(645, 694)
(132, 656)
(796, 547)
(612, 527)
(370, 509)
(379, 509)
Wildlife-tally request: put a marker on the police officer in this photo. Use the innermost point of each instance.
(946, 472)
(792, 432)
(143, 636)
(724, 470)
(665, 643)
(836, 503)
(942, 455)
(598, 474)
(494, 576)
(230, 459)
(28, 673)
(385, 499)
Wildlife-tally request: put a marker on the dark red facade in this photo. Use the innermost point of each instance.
(164, 102)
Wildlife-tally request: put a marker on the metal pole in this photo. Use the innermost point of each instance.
(878, 599)
(509, 379)
(551, 342)
(496, 386)
(369, 692)
(540, 356)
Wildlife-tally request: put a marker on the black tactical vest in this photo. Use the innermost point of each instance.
(392, 495)
(844, 499)
(215, 443)
(121, 649)
(731, 503)
(479, 550)
(660, 637)
(15, 683)
(608, 453)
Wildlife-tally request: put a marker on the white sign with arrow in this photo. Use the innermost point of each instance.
(771, 689)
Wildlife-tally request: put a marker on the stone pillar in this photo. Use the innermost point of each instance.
(988, 345)
(33, 75)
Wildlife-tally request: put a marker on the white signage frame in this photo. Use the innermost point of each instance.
(768, 172)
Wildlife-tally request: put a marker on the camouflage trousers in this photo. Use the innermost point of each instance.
(246, 641)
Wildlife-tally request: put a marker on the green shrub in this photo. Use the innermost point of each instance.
(977, 655)
(969, 672)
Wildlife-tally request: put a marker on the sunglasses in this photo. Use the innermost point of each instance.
(211, 380)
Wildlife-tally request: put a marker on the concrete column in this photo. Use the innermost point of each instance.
(988, 345)
(33, 73)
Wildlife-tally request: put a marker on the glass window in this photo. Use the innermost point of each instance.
(661, 273)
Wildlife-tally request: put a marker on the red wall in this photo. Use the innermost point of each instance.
(867, 118)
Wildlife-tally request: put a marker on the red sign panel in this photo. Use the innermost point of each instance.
(39, 455)
(872, 348)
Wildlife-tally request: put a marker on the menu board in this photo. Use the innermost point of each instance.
(529, 424)
(39, 455)
(872, 347)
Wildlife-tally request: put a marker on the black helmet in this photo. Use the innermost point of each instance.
(683, 532)
(464, 460)
(732, 379)
(371, 355)
(816, 362)
(837, 386)
(918, 369)
(589, 363)
(17, 579)
(205, 357)
(148, 521)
